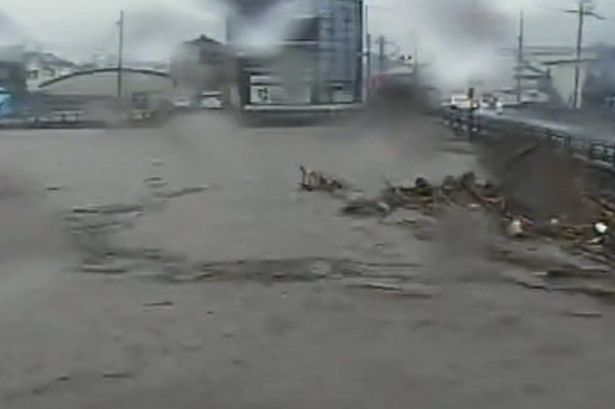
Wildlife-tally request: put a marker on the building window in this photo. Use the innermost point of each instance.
(49, 72)
(33, 75)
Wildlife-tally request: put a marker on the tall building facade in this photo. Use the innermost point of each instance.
(294, 53)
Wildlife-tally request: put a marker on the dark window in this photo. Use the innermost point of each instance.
(307, 30)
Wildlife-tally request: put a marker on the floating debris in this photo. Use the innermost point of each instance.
(111, 268)
(117, 375)
(366, 207)
(156, 182)
(515, 228)
(584, 314)
(172, 194)
(314, 180)
(159, 304)
(526, 279)
(415, 290)
(601, 228)
(108, 209)
(84, 210)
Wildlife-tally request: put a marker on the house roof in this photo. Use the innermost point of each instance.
(48, 59)
(203, 39)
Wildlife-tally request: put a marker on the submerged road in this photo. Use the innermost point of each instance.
(284, 328)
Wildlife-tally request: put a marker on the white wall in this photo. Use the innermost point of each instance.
(563, 81)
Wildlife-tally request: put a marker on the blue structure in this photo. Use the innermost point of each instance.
(7, 104)
(12, 87)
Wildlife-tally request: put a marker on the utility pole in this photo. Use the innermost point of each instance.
(577, 67)
(520, 59)
(381, 56)
(368, 55)
(584, 9)
(368, 68)
(120, 55)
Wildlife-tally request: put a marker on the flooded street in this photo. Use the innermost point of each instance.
(282, 324)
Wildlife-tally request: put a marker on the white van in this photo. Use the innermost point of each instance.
(211, 100)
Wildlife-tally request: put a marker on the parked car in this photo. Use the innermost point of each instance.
(460, 101)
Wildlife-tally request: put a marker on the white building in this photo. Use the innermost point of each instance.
(43, 67)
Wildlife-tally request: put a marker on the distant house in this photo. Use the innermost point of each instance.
(43, 67)
(200, 65)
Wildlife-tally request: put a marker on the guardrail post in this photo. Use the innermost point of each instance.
(590, 152)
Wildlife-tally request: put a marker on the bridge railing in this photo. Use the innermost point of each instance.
(475, 126)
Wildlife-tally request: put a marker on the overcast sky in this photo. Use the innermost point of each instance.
(76, 28)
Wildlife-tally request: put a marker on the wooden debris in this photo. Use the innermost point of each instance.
(591, 237)
(172, 194)
(405, 289)
(110, 268)
(312, 180)
(159, 304)
(594, 240)
(108, 209)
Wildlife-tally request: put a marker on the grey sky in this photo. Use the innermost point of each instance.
(77, 27)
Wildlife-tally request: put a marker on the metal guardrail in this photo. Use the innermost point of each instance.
(476, 126)
(75, 119)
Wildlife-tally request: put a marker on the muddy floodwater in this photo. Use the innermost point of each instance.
(181, 267)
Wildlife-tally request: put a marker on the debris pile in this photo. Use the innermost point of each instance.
(592, 236)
